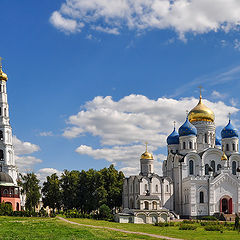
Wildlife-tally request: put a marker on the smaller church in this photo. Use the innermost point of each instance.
(147, 197)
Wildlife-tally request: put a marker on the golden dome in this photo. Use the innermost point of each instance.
(201, 113)
(224, 157)
(146, 155)
(3, 76)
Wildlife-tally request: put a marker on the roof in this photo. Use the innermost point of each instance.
(148, 197)
(5, 179)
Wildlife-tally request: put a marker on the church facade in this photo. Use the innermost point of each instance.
(201, 175)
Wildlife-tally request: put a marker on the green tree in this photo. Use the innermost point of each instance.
(69, 183)
(51, 192)
(30, 187)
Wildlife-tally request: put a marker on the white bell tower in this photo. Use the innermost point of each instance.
(7, 160)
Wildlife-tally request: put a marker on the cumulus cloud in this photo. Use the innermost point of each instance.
(124, 125)
(23, 148)
(44, 172)
(180, 15)
(46, 134)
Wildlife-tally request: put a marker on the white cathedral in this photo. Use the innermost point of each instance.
(201, 175)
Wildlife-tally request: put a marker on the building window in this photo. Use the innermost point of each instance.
(150, 168)
(233, 146)
(146, 188)
(234, 168)
(213, 165)
(156, 188)
(227, 147)
(205, 137)
(219, 167)
(146, 205)
(154, 205)
(5, 112)
(5, 192)
(1, 135)
(184, 145)
(1, 155)
(206, 169)
(201, 197)
(191, 167)
(0, 168)
(190, 145)
(166, 188)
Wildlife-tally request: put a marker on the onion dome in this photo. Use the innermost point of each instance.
(187, 129)
(217, 142)
(147, 155)
(173, 138)
(229, 131)
(201, 113)
(5, 178)
(224, 157)
(3, 76)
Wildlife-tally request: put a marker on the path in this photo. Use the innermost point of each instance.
(120, 230)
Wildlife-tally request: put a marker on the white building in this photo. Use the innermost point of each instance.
(200, 175)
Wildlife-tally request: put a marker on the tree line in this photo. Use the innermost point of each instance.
(84, 191)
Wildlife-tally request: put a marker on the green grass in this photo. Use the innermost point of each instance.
(52, 228)
(198, 234)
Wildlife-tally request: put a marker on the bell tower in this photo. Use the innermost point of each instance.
(7, 160)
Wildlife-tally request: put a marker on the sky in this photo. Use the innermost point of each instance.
(90, 81)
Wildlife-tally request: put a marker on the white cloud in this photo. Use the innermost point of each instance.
(44, 172)
(26, 163)
(217, 95)
(64, 24)
(46, 134)
(181, 15)
(124, 125)
(22, 148)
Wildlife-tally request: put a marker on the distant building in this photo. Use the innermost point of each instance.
(9, 191)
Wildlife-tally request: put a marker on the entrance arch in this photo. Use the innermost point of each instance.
(226, 205)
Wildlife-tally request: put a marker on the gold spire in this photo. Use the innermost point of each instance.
(201, 112)
(3, 76)
(146, 154)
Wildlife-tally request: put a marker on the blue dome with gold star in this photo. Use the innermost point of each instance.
(187, 129)
(173, 138)
(217, 142)
(229, 131)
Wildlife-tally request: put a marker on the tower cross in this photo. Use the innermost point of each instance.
(174, 124)
(1, 62)
(229, 116)
(146, 143)
(200, 88)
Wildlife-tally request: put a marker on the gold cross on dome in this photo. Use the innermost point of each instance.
(174, 124)
(200, 88)
(1, 61)
(229, 116)
(146, 143)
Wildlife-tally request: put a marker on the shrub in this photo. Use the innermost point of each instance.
(188, 222)
(221, 217)
(6, 209)
(104, 212)
(209, 223)
(164, 224)
(187, 227)
(209, 218)
(213, 228)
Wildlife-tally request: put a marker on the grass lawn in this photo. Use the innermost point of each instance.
(53, 228)
(199, 233)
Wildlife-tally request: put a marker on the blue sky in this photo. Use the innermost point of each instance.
(59, 58)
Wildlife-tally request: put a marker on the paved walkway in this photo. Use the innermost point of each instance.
(120, 230)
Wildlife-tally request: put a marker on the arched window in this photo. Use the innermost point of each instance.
(146, 187)
(234, 168)
(205, 137)
(154, 205)
(0, 87)
(191, 167)
(190, 145)
(1, 155)
(213, 165)
(146, 205)
(156, 188)
(5, 192)
(227, 147)
(233, 146)
(184, 145)
(0, 168)
(206, 169)
(5, 112)
(219, 167)
(1, 135)
(166, 188)
(0, 111)
(150, 168)
(201, 195)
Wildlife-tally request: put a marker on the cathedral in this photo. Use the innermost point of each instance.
(200, 175)
(9, 190)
